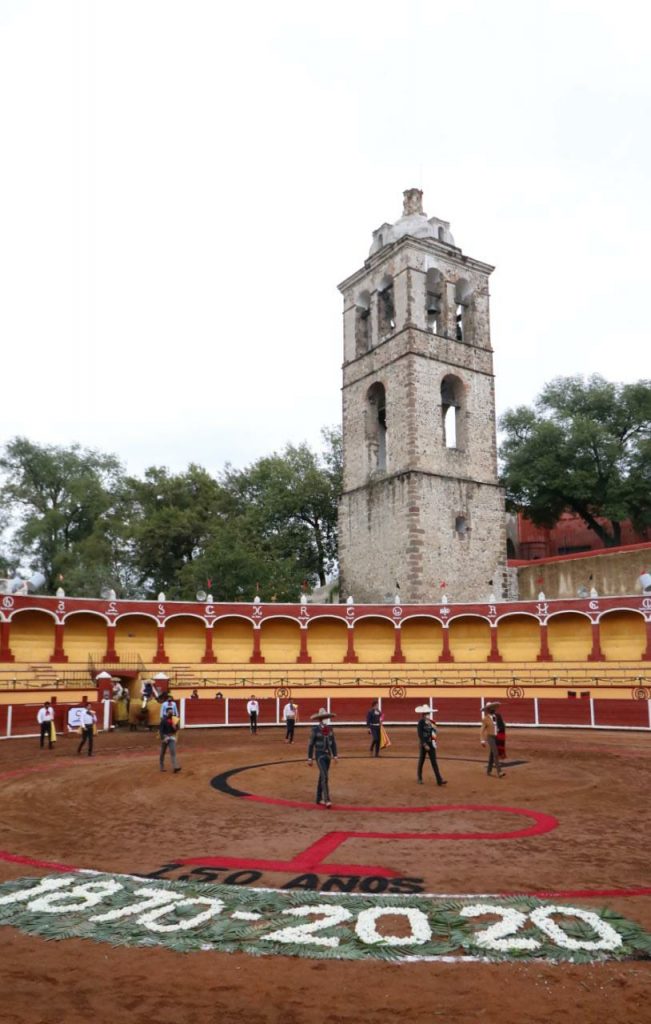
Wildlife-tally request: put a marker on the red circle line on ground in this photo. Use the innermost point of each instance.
(34, 862)
(542, 822)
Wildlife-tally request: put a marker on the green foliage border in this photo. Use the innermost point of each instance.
(452, 935)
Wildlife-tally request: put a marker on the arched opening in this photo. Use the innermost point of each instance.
(470, 639)
(327, 641)
(84, 635)
(280, 641)
(386, 310)
(518, 638)
(421, 640)
(32, 636)
(135, 637)
(452, 401)
(233, 640)
(376, 427)
(363, 323)
(622, 636)
(374, 640)
(185, 639)
(569, 637)
(434, 292)
(463, 301)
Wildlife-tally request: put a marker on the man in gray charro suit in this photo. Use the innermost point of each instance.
(323, 746)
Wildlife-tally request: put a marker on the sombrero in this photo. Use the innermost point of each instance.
(425, 709)
(322, 713)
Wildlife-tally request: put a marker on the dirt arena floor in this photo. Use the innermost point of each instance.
(117, 813)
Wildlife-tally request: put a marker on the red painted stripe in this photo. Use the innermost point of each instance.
(543, 822)
(14, 858)
(351, 869)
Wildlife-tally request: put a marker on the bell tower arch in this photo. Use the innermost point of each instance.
(421, 502)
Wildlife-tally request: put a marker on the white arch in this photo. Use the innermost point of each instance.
(469, 615)
(517, 615)
(185, 615)
(609, 611)
(84, 611)
(44, 611)
(137, 615)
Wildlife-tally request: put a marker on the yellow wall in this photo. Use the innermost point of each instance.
(623, 636)
(374, 640)
(327, 641)
(570, 637)
(470, 639)
(280, 641)
(185, 639)
(623, 639)
(32, 636)
(135, 636)
(233, 640)
(518, 638)
(84, 634)
(422, 640)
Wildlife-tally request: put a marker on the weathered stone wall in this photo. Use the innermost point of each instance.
(431, 512)
(402, 530)
(609, 573)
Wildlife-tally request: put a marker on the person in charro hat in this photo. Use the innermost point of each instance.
(488, 735)
(323, 746)
(427, 743)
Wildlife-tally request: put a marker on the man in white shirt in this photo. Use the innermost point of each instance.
(87, 720)
(169, 705)
(45, 718)
(290, 714)
(253, 710)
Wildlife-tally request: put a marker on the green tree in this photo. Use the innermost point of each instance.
(61, 502)
(586, 447)
(292, 499)
(170, 519)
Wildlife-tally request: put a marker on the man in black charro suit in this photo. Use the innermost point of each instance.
(323, 746)
(427, 743)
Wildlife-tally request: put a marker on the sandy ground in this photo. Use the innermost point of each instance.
(117, 812)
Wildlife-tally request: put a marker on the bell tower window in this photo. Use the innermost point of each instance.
(376, 424)
(463, 300)
(451, 412)
(363, 323)
(386, 308)
(434, 286)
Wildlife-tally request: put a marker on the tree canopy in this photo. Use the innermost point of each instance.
(76, 516)
(586, 447)
(62, 501)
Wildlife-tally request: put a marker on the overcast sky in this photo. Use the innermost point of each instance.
(184, 183)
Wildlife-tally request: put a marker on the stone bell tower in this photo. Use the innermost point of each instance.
(421, 504)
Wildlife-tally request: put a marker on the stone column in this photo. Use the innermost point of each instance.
(398, 656)
(495, 652)
(303, 656)
(446, 654)
(647, 654)
(350, 656)
(256, 657)
(209, 654)
(596, 654)
(160, 658)
(59, 653)
(544, 654)
(5, 649)
(111, 653)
